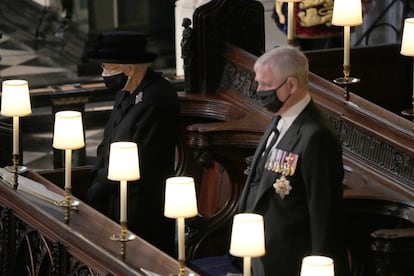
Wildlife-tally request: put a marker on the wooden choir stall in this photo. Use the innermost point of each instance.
(225, 122)
(222, 124)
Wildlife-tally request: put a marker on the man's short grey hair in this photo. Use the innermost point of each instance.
(286, 61)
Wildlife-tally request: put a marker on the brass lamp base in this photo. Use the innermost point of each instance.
(16, 170)
(20, 169)
(123, 238)
(344, 82)
(181, 269)
(73, 204)
(68, 204)
(408, 112)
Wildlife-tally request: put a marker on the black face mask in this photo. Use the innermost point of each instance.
(115, 82)
(269, 100)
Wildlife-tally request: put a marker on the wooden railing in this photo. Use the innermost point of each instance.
(35, 240)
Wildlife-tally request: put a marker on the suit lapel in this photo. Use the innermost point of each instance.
(287, 143)
(256, 158)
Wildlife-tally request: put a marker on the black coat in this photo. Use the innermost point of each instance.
(150, 118)
(309, 220)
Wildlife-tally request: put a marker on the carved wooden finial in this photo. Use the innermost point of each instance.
(187, 52)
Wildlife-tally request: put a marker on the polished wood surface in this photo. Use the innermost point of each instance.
(385, 75)
(378, 150)
(224, 123)
(87, 236)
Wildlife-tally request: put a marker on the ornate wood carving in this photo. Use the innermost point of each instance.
(378, 149)
(34, 239)
(4, 240)
(387, 246)
(360, 142)
(239, 80)
(25, 251)
(386, 157)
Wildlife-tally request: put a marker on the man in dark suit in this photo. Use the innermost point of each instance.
(297, 185)
(145, 111)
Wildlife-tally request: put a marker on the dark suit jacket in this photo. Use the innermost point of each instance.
(149, 117)
(309, 220)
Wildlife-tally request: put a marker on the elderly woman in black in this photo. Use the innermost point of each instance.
(145, 111)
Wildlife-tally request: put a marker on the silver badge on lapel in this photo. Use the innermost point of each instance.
(138, 98)
(285, 163)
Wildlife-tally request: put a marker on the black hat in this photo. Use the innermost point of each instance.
(123, 47)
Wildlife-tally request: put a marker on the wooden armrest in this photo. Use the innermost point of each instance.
(393, 233)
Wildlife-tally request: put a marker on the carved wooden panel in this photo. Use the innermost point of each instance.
(26, 251)
(240, 22)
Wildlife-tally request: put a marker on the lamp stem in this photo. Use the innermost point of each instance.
(412, 111)
(123, 238)
(15, 135)
(413, 88)
(68, 185)
(15, 171)
(15, 151)
(246, 266)
(347, 47)
(181, 244)
(123, 201)
(115, 13)
(181, 239)
(68, 168)
(291, 22)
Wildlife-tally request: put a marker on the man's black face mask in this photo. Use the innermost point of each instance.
(269, 100)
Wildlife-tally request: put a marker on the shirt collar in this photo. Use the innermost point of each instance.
(290, 115)
(296, 109)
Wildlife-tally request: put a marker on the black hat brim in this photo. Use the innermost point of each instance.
(121, 59)
(123, 47)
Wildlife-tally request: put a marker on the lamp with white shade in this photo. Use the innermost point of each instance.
(15, 102)
(123, 167)
(317, 265)
(347, 13)
(291, 19)
(247, 238)
(68, 135)
(407, 49)
(180, 203)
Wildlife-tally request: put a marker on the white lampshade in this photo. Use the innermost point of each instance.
(247, 235)
(15, 98)
(180, 197)
(123, 161)
(407, 44)
(347, 13)
(68, 130)
(317, 265)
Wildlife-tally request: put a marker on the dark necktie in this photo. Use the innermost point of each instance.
(259, 167)
(276, 120)
(261, 163)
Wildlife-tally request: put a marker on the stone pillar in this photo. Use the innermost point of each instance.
(273, 36)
